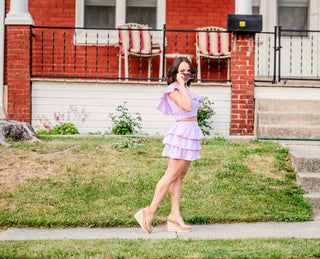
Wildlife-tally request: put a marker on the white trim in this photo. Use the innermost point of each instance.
(120, 12)
(161, 13)
(2, 103)
(287, 93)
(89, 37)
(79, 13)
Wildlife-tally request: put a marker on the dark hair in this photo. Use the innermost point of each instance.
(173, 70)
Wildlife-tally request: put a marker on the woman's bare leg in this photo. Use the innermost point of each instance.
(176, 168)
(175, 193)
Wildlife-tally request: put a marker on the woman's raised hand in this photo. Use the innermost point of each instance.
(180, 79)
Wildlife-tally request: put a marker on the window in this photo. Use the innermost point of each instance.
(293, 15)
(99, 13)
(113, 13)
(255, 7)
(142, 11)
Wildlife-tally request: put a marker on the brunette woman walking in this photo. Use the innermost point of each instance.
(181, 143)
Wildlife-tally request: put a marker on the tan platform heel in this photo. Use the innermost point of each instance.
(141, 217)
(178, 225)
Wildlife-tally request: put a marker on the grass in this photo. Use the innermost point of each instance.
(102, 182)
(249, 248)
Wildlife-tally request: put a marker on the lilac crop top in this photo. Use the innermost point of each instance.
(169, 107)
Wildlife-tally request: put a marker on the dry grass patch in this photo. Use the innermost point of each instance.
(264, 165)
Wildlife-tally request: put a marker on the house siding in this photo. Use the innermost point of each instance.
(88, 105)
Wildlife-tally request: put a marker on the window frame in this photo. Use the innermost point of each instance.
(89, 37)
(298, 34)
(256, 4)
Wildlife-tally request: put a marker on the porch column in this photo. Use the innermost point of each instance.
(243, 7)
(18, 24)
(242, 77)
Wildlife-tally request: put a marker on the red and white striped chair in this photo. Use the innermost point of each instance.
(136, 42)
(212, 45)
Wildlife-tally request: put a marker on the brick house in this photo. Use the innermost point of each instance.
(54, 70)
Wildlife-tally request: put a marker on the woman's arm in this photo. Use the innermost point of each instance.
(182, 98)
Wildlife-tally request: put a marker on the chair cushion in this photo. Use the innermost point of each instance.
(212, 42)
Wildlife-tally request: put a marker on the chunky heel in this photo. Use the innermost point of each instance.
(172, 226)
(140, 216)
(178, 226)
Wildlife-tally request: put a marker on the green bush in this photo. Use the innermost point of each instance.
(205, 112)
(125, 123)
(65, 129)
(61, 129)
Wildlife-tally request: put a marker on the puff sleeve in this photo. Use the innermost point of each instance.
(164, 105)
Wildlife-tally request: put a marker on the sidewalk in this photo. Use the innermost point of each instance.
(309, 229)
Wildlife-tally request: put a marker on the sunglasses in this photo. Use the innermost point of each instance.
(188, 76)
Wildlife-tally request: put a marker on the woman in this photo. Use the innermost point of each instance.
(182, 143)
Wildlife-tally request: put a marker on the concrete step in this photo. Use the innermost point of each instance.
(310, 182)
(288, 118)
(289, 132)
(282, 105)
(314, 199)
(305, 158)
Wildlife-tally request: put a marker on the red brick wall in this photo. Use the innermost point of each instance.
(53, 12)
(198, 13)
(18, 74)
(242, 78)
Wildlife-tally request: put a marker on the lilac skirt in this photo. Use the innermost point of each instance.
(182, 141)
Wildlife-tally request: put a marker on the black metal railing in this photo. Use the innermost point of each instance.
(301, 48)
(285, 55)
(266, 56)
(93, 53)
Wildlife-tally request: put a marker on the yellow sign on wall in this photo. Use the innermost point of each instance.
(242, 24)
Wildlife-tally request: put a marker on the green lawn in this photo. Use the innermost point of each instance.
(102, 182)
(249, 248)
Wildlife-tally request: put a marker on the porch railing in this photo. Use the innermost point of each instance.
(285, 55)
(93, 53)
(88, 53)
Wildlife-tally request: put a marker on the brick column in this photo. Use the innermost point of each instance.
(18, 45)
(242, 79)
(18, 72)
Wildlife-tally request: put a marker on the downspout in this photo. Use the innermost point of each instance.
(2, 28)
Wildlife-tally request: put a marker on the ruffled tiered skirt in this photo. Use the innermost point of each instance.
(182, 141)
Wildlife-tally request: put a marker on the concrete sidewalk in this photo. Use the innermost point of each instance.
(309, 229)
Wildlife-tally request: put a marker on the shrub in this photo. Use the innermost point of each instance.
(125, 123)
(65, 129)
(205, 112)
